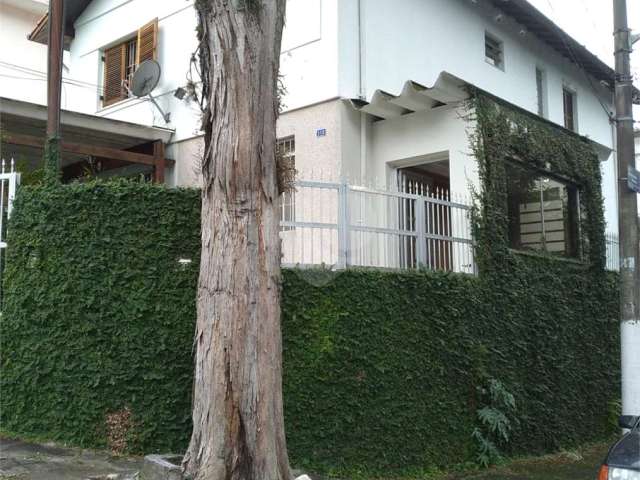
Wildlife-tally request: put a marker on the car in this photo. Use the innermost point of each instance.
(623, 459)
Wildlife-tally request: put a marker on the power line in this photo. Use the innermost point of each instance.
(43, 76)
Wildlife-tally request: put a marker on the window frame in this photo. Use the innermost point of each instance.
(569, 92)
(499, 46)
(541, 92)
(129, 58)
(287, 207)
(573, 218)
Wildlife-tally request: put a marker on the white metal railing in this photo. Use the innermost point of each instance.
(9, 181)
(342, 225)
(613, 251)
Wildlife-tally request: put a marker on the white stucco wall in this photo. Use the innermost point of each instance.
(322, 43)
(23, 64)
(419, 137)
(106, 22)
(418, 39)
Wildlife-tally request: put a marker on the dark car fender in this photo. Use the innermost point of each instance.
(626, 453)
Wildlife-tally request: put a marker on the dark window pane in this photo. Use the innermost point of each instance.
(542, 212)
(540, 91)
(569, 109)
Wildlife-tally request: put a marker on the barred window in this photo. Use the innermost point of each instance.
(286, 148)
(121, 61)
(493, 51)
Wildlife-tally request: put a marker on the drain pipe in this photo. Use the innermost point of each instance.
(361, 92)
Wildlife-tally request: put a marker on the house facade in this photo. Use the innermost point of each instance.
(376, 95)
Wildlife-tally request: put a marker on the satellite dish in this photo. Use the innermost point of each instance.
(144, 81)
(146, 78)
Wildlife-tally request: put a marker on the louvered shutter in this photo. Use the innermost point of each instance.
(114, 67)
(148, 42)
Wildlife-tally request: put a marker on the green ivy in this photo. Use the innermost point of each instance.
(381, 369)
(503, 133)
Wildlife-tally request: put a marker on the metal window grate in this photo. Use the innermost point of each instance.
(493, 51)
(286, 148)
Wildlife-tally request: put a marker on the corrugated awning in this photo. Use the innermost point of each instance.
(414, 97)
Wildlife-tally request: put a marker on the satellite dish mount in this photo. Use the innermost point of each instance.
(144, 81)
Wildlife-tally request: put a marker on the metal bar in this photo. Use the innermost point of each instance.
(421, 224)
(343, 225)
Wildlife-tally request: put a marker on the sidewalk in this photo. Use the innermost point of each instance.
(24, 461)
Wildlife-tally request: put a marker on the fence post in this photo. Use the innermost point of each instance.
(343, 226)
(421, 240)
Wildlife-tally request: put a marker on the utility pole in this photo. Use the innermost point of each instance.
(628, 215)
(54, 85)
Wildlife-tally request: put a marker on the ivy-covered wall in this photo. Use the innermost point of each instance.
(505, 135)
(383, 371)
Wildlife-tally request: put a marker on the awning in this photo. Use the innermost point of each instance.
(23, 131)
(414, 97)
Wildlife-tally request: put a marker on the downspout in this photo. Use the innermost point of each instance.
(362, 93)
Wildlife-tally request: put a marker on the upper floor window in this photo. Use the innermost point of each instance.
(541, 92)
(121, 61)
(543, 212)
(493, 51)
(569, 104)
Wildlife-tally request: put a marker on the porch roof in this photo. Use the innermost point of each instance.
(31, 119)
(23, 127)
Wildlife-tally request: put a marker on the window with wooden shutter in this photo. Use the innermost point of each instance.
(122, 60)
(114, 71)
(148, 42)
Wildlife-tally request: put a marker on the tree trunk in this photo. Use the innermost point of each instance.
(238, 424)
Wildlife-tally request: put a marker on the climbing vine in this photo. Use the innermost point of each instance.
(501, 133)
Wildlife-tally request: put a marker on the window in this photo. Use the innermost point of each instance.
(121, 61)
(493, 51)
(541, 92)
(286, 148)
(543, 212)
(569, 103)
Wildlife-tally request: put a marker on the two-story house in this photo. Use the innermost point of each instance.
(374, 89)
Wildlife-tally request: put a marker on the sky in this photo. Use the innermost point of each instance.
(590, 22)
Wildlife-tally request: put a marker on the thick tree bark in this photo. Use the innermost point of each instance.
(238, 425)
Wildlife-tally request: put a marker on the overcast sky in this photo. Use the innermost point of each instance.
(591, 23)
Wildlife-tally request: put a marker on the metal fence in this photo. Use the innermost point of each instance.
(9, 181)
(341, 225)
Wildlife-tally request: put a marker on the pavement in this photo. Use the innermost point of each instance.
(26, 461)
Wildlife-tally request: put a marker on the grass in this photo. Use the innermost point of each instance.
(579, 464)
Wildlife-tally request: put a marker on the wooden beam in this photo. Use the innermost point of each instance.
(158, 156)
(83, 149)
